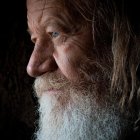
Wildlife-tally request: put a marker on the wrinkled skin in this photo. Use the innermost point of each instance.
(64, 53)
(54, 53)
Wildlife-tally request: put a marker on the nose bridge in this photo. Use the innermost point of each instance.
(38, 55)
(41, 58)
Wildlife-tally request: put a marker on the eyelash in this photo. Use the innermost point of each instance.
(54, 34)
(58, 36)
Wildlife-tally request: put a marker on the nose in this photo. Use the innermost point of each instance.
(41, 61)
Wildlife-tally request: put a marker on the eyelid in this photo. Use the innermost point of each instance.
(54, 34)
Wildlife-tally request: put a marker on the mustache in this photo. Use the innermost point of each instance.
(50, 81)
(90, 72)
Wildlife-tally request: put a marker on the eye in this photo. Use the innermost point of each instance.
(54, 34)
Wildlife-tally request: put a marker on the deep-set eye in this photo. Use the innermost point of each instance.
(54, 34)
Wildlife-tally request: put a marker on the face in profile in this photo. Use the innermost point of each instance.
(72, 77)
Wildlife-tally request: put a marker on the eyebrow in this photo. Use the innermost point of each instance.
(50, 21)
(56, 22)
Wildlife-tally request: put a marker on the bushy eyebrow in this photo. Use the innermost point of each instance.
(57, 23)
(36, 29)
(51, 21)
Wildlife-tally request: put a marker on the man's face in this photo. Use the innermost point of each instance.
(56, 49)
(70, 76)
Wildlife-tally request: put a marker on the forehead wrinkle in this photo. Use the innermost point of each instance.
(34, 28)
(43, 9)
(35, 22)
(46, 14)
(35, 5)
(52, 20)
(53, 15)
(43, 14)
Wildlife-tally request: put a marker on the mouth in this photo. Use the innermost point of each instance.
(53, 91)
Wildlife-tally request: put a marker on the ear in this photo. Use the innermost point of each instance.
(138, 72)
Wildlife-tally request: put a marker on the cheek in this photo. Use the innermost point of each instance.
(67, 68)
(68, 62)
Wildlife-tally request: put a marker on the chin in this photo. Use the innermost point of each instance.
(77, 115)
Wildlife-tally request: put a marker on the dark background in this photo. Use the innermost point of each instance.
(17, 101)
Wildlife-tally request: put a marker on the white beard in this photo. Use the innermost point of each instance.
(79, 118)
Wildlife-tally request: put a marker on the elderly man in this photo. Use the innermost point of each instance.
(85, 60)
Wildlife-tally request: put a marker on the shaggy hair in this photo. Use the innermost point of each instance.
(114, 27)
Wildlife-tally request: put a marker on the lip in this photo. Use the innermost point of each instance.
(53, 91)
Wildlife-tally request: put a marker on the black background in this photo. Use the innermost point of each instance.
(17, 101)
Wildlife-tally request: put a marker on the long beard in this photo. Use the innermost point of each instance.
(77, 113)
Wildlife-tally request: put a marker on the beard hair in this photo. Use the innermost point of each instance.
(81, 112)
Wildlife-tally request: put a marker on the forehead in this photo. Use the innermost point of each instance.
(39, 10)
(41, 6)
(41, 13)
(35, 4)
